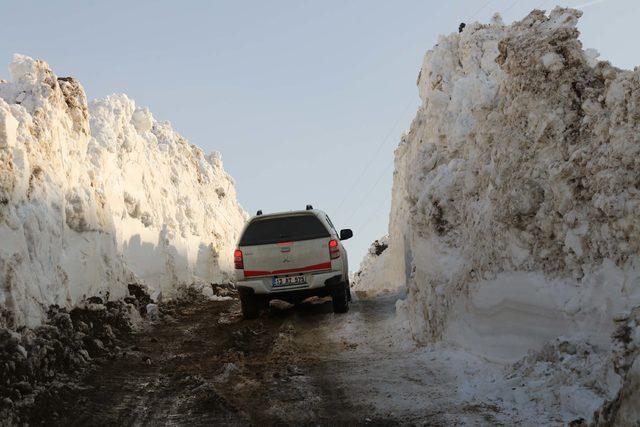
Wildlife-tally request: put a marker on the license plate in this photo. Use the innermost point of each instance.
(288, 281)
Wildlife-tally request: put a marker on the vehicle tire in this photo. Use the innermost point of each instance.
(249, 305)
(340, 299)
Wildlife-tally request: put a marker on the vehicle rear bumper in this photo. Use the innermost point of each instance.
(320, 284)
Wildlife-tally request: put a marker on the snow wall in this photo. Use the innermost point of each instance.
(93, 197)
(515, 212)
(375, 272)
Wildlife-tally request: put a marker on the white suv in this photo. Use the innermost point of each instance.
(291, 256)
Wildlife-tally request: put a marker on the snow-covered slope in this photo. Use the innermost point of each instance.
(516, 198)
(95, 196)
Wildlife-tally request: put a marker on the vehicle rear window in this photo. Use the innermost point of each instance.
(283, 229)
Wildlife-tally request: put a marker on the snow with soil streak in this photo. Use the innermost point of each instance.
(514, 222)
(373, 276)
(93, 196)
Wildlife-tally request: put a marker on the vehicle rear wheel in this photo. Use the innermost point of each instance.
(340, 299)
(250, 305)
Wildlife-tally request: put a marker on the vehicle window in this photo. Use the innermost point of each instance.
(283, 229)
(331, 224)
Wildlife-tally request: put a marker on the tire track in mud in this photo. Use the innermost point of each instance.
(204, 365)
(162, 378)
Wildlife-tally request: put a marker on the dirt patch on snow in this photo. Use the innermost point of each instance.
(40, 364)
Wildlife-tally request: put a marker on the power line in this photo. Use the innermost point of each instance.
(590, 3)
(368, 193)
(539, 6)
(367, 221)
(370, 162)
(511, 7)
(480, 10)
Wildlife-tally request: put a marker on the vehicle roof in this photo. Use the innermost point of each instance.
(316, 212)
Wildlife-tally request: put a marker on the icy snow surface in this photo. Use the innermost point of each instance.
(514, 219)
(95, 196)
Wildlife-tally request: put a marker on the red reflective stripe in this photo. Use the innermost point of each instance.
(254, 273)
(284, 243)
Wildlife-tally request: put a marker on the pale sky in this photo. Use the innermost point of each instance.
(306, 101)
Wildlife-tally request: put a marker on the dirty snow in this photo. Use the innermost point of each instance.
(374, 274)
(97, 195)
(514, 221)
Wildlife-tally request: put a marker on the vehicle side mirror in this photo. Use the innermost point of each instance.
(346, 234)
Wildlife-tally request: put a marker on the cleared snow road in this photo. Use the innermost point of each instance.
(204, 365)
(366, 357)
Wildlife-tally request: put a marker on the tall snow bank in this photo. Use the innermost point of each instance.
(517, 187)
(95, 196)
(374, 274)
(516, 193)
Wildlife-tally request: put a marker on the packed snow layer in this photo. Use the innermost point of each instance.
(514, 218)
(95, 196)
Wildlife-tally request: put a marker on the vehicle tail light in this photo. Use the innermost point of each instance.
(334, 250)
(237, 259)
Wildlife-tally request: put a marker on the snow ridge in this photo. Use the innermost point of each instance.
(95, 196)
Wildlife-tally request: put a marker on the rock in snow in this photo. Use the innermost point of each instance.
(516, 194)
(96, 196)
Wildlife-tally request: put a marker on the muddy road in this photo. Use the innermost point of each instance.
(204, 365)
